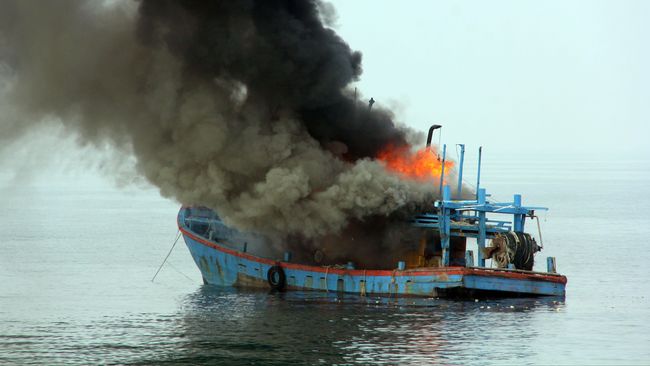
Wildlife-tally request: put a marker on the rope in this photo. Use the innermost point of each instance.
(179, 271)
(168, 254)
(501, 258)
(516, 248)
(539, 231)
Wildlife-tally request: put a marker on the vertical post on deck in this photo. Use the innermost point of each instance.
(480, 241)
(518, 224)
(460, 171)
(478, 174)
(550, 265)
(445, 222)
(442, 170)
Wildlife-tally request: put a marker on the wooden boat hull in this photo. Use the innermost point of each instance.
(224, 266)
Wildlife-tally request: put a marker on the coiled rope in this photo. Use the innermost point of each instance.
(516, 248)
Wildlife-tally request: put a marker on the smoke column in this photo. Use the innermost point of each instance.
(241, 106)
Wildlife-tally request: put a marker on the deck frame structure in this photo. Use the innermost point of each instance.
(227, 262)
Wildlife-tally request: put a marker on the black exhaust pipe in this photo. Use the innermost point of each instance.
(434, 127)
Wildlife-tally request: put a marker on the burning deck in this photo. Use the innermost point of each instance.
(432, 260)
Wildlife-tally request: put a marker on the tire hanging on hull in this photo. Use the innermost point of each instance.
(277, 278)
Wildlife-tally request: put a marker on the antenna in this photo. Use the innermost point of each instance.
(460, 171)
(478, 175)
(442, 170)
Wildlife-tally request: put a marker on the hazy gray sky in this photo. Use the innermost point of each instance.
(572, 76)
(562, 76)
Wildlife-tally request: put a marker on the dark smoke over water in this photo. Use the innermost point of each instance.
(282, 53)
(242, 106)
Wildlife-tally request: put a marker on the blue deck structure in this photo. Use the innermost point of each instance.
(223, 258)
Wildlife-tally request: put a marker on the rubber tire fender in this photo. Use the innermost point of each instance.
(277, 283)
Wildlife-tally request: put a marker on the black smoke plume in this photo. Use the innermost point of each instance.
(284, 56)
(241, 106)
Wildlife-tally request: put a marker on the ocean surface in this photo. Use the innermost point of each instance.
(77, 256)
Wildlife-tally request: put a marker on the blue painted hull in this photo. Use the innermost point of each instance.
(224, 266)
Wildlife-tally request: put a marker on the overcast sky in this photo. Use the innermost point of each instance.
(513, 76)
(571, 76)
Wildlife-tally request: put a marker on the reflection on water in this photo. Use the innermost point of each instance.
(228, 326)
(233, 326)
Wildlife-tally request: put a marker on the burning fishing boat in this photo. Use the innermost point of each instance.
(431, 259)
(249, 108)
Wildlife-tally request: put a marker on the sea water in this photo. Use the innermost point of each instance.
(77, 259)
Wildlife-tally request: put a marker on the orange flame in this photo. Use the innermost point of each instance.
(424, 164)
